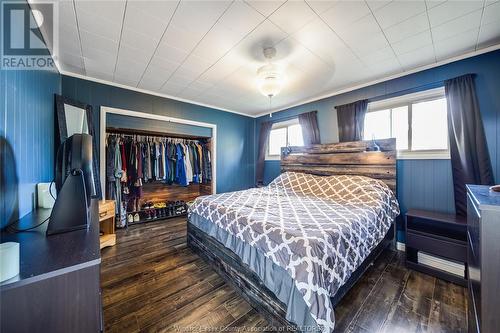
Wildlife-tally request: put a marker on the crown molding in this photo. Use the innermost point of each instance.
(386, 78)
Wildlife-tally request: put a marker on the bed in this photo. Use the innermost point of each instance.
(294, 248)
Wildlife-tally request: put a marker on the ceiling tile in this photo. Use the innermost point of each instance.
(266, 8)
(196, 64)
(489, 35)
(433, 3)
(459, 44)
(398, 11)
(141, 22)
(171, 88)
(389, 66)
(99, 75)
(180, 79)
(321, 6)
(377, 4)
(171, 53)
(200, 85)
(491, 13)
(405, 29)
(241, 18)
(321, 40)
(198, 16)
(127, 68)
(154, 77)
(452, 9)
(292, 16)
(139, 40)
(161, 10)
(416, 58)
(69, 40)
(457, 26)
(249, 50)
(344, 13)
(217, 43)
(360, 31)
(377, 56)
(92, 41)
(102, 18)
(108, 10)
(98, 56)
(413, 43)
(126, 80)
(164, 63)
(135, 54)
(373, 44)
(71, 60)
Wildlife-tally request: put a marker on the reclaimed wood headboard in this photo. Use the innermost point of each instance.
(344, 158)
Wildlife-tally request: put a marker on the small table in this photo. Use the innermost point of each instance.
(437, 234)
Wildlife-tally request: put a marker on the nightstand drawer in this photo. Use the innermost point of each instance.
(451, 249)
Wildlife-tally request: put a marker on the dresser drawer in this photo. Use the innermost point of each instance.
(473, 227)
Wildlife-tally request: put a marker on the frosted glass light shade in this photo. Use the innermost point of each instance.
(270, 80)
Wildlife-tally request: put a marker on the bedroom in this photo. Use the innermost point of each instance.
(173, 166)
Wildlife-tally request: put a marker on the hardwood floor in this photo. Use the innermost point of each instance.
(152, 282)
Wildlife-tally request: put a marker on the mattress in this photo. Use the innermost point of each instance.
(317, 229)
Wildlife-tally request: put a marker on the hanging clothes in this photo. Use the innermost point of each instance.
(187, 162)
(180, 174)
(134, 160)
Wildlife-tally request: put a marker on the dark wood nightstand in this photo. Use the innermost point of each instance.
(437, 234)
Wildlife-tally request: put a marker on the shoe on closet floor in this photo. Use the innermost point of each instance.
(130, 218)
(136, 217)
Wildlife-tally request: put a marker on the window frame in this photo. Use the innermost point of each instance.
(408, 100)
(277, 125)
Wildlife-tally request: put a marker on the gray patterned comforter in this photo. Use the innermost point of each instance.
(319, 229)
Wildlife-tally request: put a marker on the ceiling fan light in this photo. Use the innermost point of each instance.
(270, 80)
(270, 86)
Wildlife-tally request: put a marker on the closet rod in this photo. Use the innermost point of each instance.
(113, 130)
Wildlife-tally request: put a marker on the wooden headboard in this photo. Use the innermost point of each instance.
(344, 158)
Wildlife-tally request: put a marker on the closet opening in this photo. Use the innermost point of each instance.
(154, 167)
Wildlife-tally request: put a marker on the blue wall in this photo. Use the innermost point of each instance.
(27, 124)
(424, 184)
(235, 133)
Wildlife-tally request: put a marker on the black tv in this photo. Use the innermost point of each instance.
(74, 185)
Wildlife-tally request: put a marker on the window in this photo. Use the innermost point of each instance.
(417, 121)
(285, 133)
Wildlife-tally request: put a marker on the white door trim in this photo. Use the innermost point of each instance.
(102, 138)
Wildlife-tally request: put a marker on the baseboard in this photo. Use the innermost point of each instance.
(401, 246)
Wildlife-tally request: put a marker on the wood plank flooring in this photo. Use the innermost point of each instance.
(152, 282)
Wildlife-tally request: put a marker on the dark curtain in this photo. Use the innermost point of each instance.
(351, 120)
(265, 129)
(470, 159)
(310, 130)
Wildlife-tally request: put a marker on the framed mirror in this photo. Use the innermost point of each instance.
(76, 117)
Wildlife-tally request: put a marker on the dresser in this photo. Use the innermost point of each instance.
(58, 286)
(483, 257)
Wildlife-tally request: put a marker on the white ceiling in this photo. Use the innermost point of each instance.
(208, 51)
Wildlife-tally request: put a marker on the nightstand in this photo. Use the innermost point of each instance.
(107, 223)
(436, 240)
